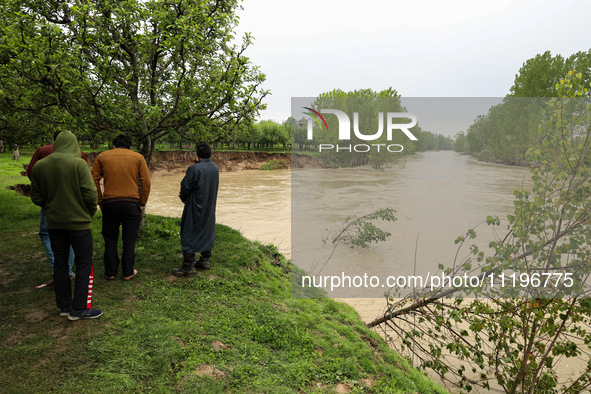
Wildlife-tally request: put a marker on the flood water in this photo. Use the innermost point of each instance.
(257, 203)
(437, 197)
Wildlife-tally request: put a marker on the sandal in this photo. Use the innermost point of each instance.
(130, 277)
(109, 277)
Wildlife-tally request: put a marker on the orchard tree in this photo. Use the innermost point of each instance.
(144, 68)
(297, 133)
(270, 133)
(287, 127)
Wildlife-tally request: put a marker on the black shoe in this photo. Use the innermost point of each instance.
(202, 263)
(85, 314)
(185, 270)
(66, 310)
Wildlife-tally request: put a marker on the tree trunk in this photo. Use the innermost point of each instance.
(147, 149)
(16, 155)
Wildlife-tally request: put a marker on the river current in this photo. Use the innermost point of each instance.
(437, 196)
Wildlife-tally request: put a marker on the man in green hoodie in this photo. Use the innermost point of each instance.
(62, 184)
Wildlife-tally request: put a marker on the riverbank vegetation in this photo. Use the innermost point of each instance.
(274, 164)
(510, 128)
(103, 75)
(520, 320)
(234, 328)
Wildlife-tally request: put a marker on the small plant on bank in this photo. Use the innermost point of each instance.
(274, 164)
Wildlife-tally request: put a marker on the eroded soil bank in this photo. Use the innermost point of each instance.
(170, 162)
(173, 161)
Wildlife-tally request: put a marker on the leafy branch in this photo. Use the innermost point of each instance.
(360, 231)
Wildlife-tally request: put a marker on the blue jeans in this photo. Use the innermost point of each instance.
(44, 236)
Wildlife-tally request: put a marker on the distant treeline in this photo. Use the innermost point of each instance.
(266, 135)
(509, 129)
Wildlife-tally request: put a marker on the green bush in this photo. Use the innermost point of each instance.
(274, 164)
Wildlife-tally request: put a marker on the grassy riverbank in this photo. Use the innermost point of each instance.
(234, 328)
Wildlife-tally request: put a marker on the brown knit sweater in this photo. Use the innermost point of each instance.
(126, 176)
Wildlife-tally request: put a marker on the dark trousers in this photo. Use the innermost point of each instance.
(127, 215)
(189, 258)
(81, 242)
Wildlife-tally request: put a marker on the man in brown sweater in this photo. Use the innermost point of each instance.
(126, 181)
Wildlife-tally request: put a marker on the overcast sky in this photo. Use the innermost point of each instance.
(421, 48)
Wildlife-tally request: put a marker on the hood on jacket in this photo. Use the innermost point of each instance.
(66, 145)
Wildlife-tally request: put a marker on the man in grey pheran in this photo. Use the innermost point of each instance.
(199, 192)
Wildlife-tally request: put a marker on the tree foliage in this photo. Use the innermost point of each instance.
(144, 68)
(512, 336)
(539, 76)
(361, 231)
(506, 132)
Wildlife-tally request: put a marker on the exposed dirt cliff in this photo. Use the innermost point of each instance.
(233, 161)
(177, 161)
(164, 162)
(226, 161)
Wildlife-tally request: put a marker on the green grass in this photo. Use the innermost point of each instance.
(233, 328)
(274, 165)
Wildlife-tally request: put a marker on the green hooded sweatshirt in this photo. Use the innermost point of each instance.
(62, 184)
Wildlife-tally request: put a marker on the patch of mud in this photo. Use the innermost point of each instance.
(132, 299)
(17, 337)
(299, 160)
(217, 345)
(23, 190)
(62, 334)
(177, 162)
(36, 316)
(211, 371)
(6, 276)
(343, 388)
(172, 279)
(174, 162)
(25, 329)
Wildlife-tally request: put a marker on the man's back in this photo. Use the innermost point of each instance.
(41, 153)
(126, 189)
(121, 168)
(62, 184)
